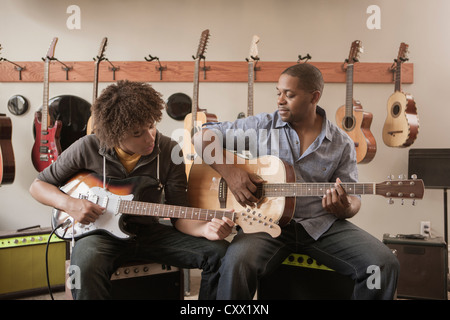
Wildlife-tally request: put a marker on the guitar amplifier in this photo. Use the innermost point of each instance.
(23, 265)
(300, 277)
(144, 281)
(423, 267)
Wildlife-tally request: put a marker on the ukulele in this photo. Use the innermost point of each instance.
(352, 118)
(402, 123)
(46, 146)
(7, 164)
(277, 194)
(193, 121)
(100, 58)
(252, 60)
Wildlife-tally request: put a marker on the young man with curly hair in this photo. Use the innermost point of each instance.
(126, 146)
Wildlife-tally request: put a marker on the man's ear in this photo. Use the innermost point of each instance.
(316, 96)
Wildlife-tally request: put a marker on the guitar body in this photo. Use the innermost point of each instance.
(190, 129)
(358, 129)
(7, 162)
(207, 189)
(110, 222)
(46, 148)
(401, 126)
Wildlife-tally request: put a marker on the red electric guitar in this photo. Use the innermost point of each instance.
(352, 118)
(46, 148)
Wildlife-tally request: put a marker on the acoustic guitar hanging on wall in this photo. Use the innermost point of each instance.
(401, 126)
(194, 120)
(352, 118)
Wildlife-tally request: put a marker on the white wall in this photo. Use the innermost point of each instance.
(287, 28)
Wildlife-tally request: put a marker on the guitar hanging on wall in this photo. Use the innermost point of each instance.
(7, 162)
(193, 121)
(401, 126)
(352, 118)
(100, 57)
(46, 148)
(252, 60)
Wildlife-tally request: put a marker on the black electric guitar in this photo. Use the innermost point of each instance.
(47, 147)
(117, 199)
(252, 60)
(100, 57)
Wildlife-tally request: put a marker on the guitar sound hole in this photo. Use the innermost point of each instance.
(396, 110)
(348, 123)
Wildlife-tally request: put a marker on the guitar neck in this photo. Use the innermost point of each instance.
(251, 78)
(398, 76)
(349, 91)
(95, 91)
(169, 211)
(44, 119)
(195, 95)
(314, 189)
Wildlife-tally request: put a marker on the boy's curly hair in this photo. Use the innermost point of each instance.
(123, 106)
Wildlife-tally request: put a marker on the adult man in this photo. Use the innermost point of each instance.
(319, 152)
(126, 146)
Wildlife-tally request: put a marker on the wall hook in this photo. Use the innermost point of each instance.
(16, 66)
(160, 68)
(300, 58)
(112, 68)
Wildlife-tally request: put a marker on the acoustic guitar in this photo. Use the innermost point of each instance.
(352, 118)
(207, 189)
(100, 57)
(193, 121)
(117, 199)
(401, 126)
(46, 148)
(252, 60)
(7, 162)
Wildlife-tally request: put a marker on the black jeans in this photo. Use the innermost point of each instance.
(96, 257)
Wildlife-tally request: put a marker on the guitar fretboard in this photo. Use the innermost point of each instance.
(313, 189)
(349, 92)
(44, 118)
(251, 78)
(140, 208)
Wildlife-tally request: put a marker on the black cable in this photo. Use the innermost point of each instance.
(46, 258)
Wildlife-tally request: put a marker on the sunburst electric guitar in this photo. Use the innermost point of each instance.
(352, 118)
(47, 147)
(117, 199)
(193, 121)
(100, 57)
(401, 126)
(207, 189)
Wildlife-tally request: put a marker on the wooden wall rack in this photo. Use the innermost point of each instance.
(183, 71)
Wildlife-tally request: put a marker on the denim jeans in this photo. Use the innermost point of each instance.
(345, 248)
(97, 256)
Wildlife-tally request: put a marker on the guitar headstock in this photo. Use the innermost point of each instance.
(256, 222)
(101, 51)
(401, 189)
(403, 53)
(51, 50)
(202, 44)
(355, 50)
(253, 53)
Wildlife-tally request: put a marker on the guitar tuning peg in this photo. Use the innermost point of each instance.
(414, 176)
(403, 201)
(401, 176)
(414, 202)
(389, 177)
(390, 201)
